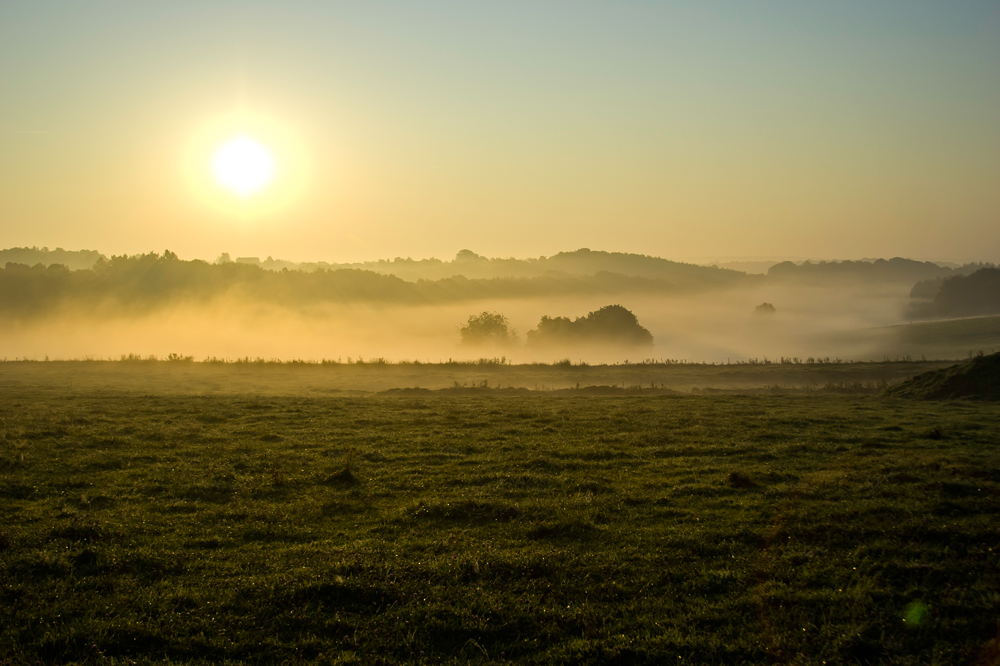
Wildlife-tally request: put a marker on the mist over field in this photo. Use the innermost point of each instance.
(338, 333)
(159, 305)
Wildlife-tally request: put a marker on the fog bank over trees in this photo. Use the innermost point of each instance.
(895, 270)
(973, 295)
(473, 266)
(139, 283)
(74, 260)
(160, 304)
(142, 282)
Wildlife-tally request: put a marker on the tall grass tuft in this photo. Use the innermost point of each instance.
(345, 476)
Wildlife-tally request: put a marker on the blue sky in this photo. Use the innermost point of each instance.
(678, 129)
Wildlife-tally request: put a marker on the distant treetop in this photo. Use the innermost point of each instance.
(896, 269)
(74, 260)
(764, 308)
(488, 328)
(963, 296)
(612, 324)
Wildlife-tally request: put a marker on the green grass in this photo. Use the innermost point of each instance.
(302, 379)
(483, 529)
(945, 338)
(970, 335)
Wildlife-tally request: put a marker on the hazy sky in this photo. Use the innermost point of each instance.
(827, 130)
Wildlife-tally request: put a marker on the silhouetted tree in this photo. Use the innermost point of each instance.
(612, 324)
(764, 308)
(488, 328)
(970, 295)
(927, 288)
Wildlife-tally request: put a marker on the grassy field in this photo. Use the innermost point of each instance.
(313, 379)
(945, 338)
(168, 527)
(971, 333)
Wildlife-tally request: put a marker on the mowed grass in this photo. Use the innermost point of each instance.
(485, 529)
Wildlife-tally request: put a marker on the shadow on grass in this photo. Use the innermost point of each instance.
(466, 512)
(575, 530)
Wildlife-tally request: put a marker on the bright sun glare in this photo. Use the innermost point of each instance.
(243, 166)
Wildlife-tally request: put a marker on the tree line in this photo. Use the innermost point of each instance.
(142, 282)
(612, 325)
(962, 296)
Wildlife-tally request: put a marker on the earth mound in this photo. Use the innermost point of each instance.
(978, 378)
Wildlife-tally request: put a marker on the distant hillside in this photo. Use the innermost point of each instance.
(141, 282)
(72, 259)
(978, 378)
(748, 267)
(896, 270)
(581, 262)
(590, 262)
(962, 296)
(34, 281)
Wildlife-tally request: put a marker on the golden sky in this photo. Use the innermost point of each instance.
(824, 130)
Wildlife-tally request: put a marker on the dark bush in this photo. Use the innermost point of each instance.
(488, 328)
(612, 324)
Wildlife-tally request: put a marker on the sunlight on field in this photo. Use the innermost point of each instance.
(237, 528)
(496, 333)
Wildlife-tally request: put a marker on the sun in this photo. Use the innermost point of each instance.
(243, 166)
(246, 166)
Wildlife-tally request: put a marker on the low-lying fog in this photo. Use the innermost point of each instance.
(715, 325)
